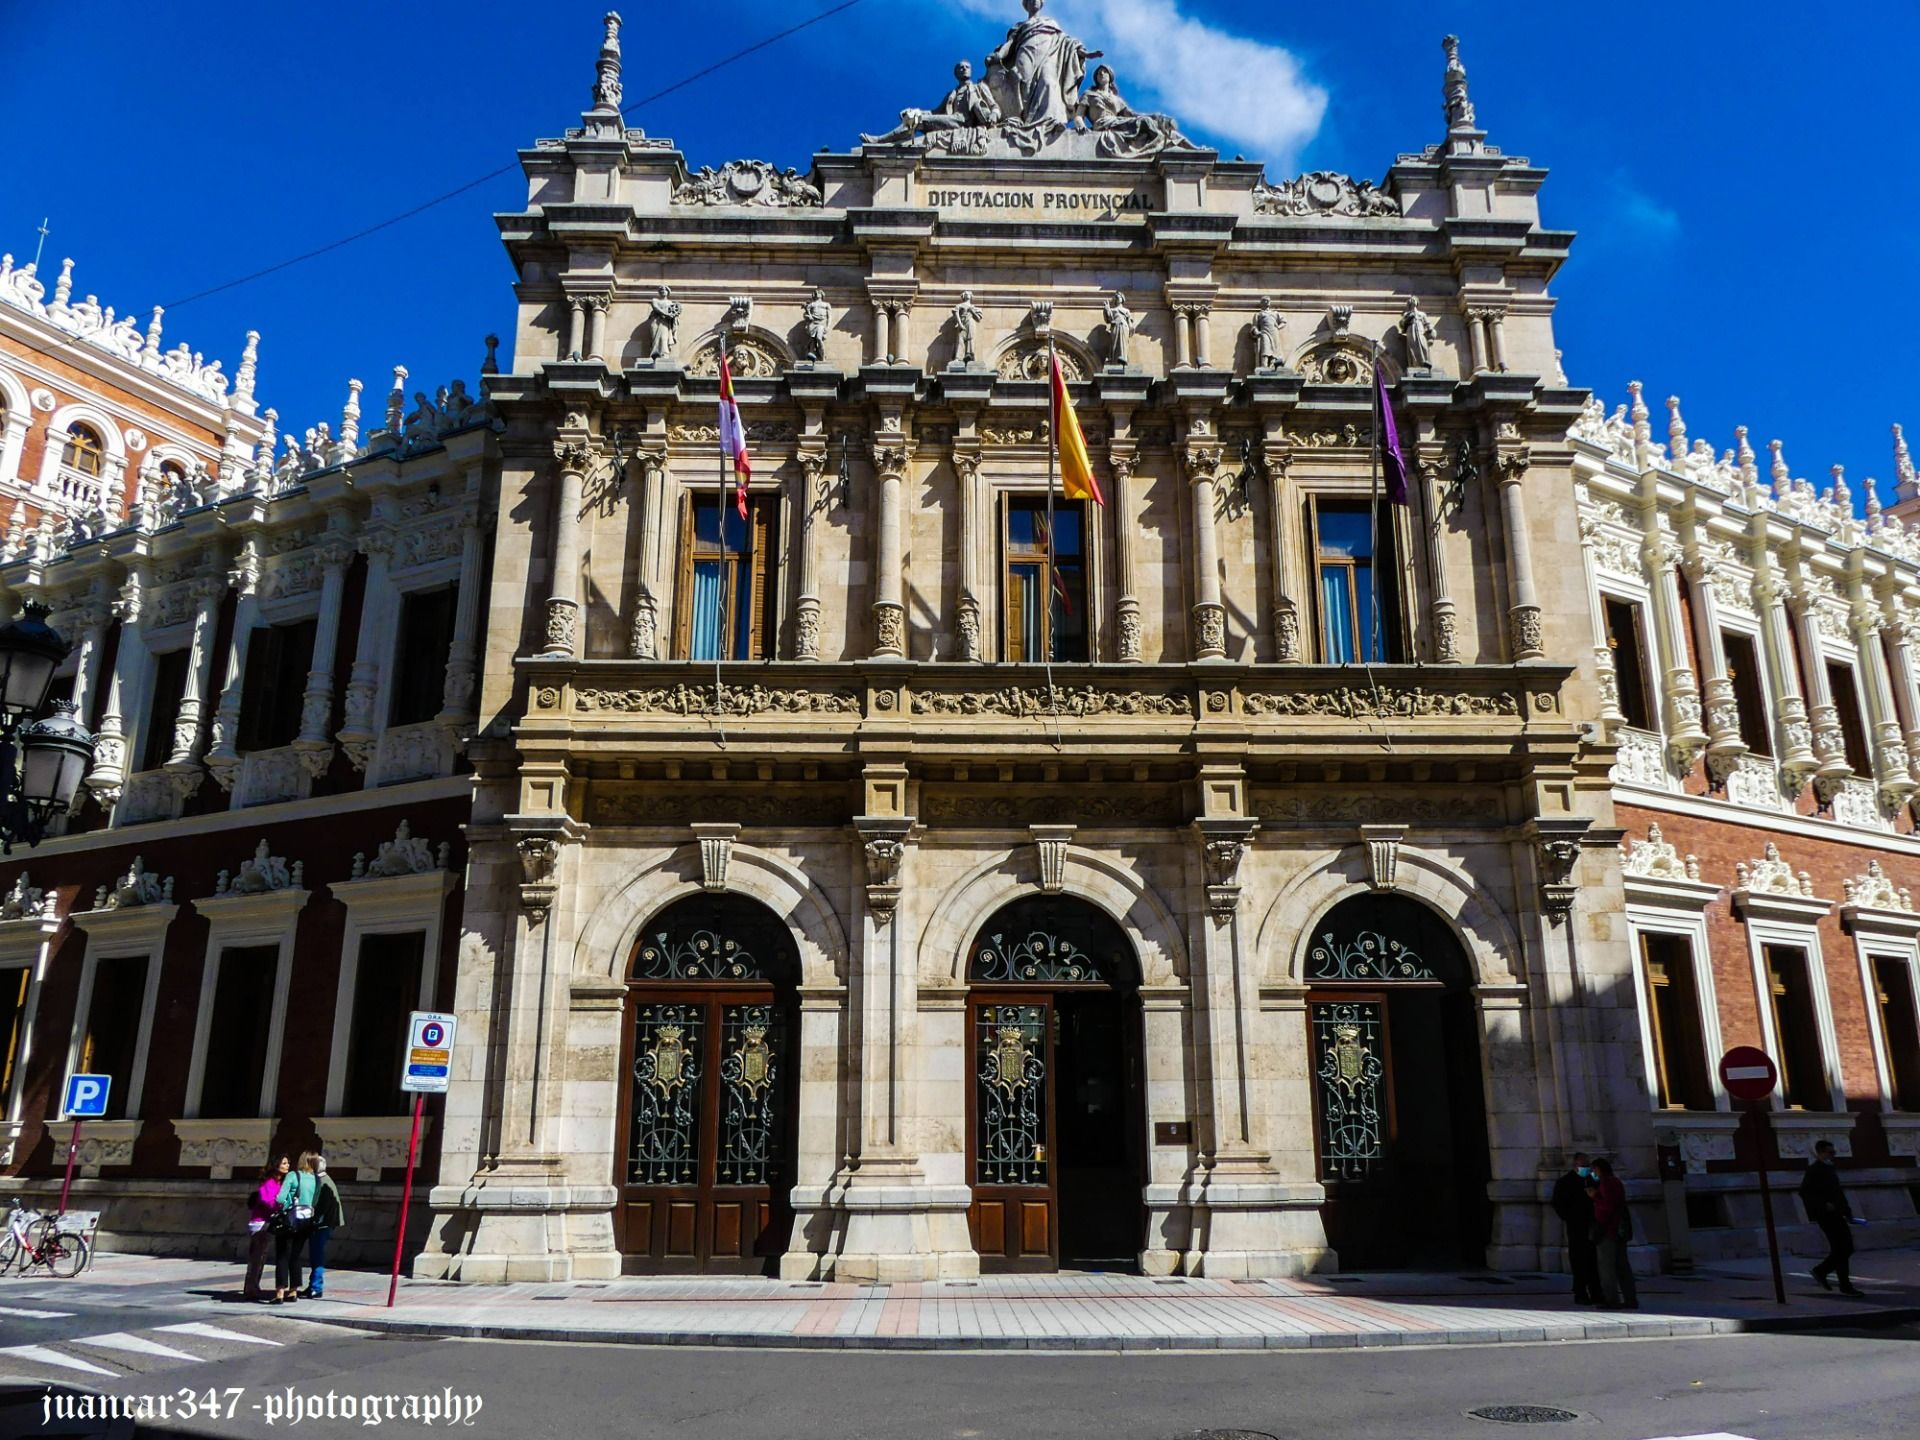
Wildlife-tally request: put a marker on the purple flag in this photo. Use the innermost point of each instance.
(1392, 461)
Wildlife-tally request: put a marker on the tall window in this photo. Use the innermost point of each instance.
(1803, 1071)
(1357, 601)
(1624, 641)
(727, 580)
(420, 669)
(169, 688)
(1028, 545)
(1899, 1027)
(1673, 1019)
(13, 1011)
(1846, 702)
(84, 452)
(386, 990)
(113, 1026)
(1743, 669)
(237, 1036)
(278, 658)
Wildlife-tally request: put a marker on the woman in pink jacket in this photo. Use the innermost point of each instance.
(266, 1191)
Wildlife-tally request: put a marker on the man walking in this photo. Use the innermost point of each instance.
(1575, 1210)
(1826, 1205)
(1612, 1231)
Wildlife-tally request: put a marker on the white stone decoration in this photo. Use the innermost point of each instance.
(224, 1146)
(1050, 842)
(1383, 853)
(716, 853)
(25, 901)
(1857, 802)
(139, 886)
(405, 854)
(1656, 858)
(1873, 890)
(367, 1144)
(1754, 781)
(263, 873)
(1770, 875)
(104, 1143)
(1641, 760)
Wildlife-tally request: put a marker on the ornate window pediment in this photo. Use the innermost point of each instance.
(1027, 360)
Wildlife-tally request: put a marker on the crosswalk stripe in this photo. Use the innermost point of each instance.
(40, 1355)
(134, 1344)
(35, 1314)
(215, 1332)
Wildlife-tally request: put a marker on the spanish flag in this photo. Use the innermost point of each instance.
(733, 435)
(1076, 470)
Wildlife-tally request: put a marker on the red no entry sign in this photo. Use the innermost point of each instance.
(1748, 1073)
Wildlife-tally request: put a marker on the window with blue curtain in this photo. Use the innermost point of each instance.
(726, 607)
(1356, 623)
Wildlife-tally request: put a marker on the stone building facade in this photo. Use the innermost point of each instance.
(278, 655)
(913, 875)
(1754, 641)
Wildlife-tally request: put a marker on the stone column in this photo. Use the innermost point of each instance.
(1433, 494)
(1889, 748)
(357, 729)
(806, 505)
(597, 327)
(902, 345)
(643, 640)
(889, 607)
(1829, 740)
(1120, 462)
(1182, 337)
(1523, 605)
(1681, 696)
(882, 332)
(223, 755)
(1606, 677)
(1724, 745)
(1797, 760)
(335, 552)
(1477, 338)
(576, 327)
(1201, 318)
(1497, 339)
(563, 594)
(1899, 629)
(131, 666)
(1286, 550)
(89, 620)
(966, 469)
(1209, 615)
(208, 591)
(456, 696)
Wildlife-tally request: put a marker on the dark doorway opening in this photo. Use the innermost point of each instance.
(1098, 1126)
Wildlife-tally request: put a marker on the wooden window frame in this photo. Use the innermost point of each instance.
(84, 457)
(760, 562)
(1756, 728)
(1040, 555)
(1664, 1059)
(1388, 602)
(1633, 609)
(266, 652)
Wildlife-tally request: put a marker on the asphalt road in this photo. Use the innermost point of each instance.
(1826, 1387)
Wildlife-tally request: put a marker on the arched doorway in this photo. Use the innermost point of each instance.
(1400, 1121)
(708, 1109)
(1056, 1144)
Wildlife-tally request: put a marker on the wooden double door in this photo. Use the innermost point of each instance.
(707, 1170)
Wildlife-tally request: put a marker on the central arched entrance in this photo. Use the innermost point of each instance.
(708, 1109)
(1056, 1143)
(1400, 1121)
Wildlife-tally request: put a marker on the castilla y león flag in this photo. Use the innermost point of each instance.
(1076, 470)
(733, 435)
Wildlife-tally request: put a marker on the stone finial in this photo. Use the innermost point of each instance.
(63, 287)
(1782, 476)
(151, 349)
(1903, 473)
(1655, 858)
(249, 359)
(1453, 88)
(606, 85)
(350, 421)
(1642, 431)
(397, 401)
(1771, 875)
(1875, 890)
(491, 365)
(1842, 494)
(1676, 430)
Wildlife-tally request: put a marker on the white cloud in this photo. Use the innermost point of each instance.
(1249, 93)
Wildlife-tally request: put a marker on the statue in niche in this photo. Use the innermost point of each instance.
(817, 316)
(1267, 325)
(966, 318)
(1419, 334)
(665, 313)
(1039, 68)
(969, 105)
(1123, 131)
(1120, 327)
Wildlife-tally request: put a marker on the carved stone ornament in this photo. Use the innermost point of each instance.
(1325, 192)
(1386, 702)
(1029, 361)
(884, 844)
(1874, 890)
(139, 886)
(539, 859)
(1383, 853)
(748, 182)
(263, 873)
(26, 901)
(1528, 640)
(1051, 842)
(1656, 859)
(734, 700)
(1039, 701)
(748, 358)
(1338, 362)
(1770, 875)
(716, 854)
(1558, 855)
(405, 854)
(562, 618)
(889, 629)
(1223, 844)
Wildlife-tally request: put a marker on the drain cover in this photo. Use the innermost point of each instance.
(1226, 1435)
(1523, 1414)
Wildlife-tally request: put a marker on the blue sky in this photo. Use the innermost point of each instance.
(1733, 170)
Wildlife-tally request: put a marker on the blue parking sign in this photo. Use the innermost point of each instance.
(86, 1096)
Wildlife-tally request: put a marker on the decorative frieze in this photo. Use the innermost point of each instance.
(1039, 701)
(1325, 192)
(734, 700)
(1348, 702)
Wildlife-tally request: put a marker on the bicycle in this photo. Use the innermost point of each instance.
(32, 1239)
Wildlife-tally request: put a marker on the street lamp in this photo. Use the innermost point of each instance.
(41, 762)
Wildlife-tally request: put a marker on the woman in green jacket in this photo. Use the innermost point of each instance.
(292, 1224)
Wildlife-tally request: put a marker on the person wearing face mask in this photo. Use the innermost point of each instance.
(1575, 1209)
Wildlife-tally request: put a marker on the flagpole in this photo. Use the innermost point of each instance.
(720, 521)
(1056, 385)
(1373, 542)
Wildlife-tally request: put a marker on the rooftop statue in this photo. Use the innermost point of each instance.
(1122, 130)
(1037, 71)
(968, 106)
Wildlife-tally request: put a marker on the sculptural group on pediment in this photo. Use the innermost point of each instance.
(1032, 99)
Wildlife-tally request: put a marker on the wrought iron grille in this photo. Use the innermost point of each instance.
(752, 1053)
(1011, 1045)
(667, 1047)
(1368, 955)
(1350, 1067)
(695, 955)
(1036, 957)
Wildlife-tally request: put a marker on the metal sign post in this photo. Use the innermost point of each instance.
(428, 1066)
(1750, 1075)
(86, 1099)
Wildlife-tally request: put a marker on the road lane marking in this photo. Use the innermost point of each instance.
(215, 1332)
(134, 1344)
(27, 1314)
(40, 1355)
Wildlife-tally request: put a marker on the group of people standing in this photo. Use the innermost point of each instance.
(294, 1210)
(1592, 1203)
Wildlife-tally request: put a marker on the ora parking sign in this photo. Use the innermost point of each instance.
(429, 1059)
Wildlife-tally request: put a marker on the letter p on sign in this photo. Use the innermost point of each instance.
(86, 1096)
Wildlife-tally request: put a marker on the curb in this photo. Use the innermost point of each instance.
(1682, 1328)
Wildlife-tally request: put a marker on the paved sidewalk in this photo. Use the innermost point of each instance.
(1077, 1311)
